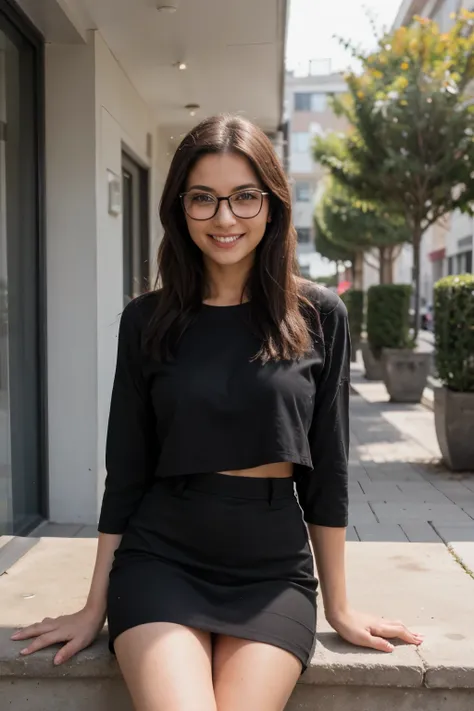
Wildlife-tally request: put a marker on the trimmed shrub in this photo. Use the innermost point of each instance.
(454, 331)
(388, 317)
(354, 301)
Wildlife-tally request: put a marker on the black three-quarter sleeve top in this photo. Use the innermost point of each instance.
(214, 408)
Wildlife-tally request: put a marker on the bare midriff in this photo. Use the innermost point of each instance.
(279, 470)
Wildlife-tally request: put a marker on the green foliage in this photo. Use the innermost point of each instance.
(411, 147)
(413, 123)
(454, 331)
(358, 225)
(326, 246)
(354, 301)
(388, 319)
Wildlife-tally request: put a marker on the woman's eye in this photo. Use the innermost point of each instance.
(246, 196)
(202, 198)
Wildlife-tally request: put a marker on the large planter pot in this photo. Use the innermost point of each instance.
(405, 373)
(454, 422)
(372, 365)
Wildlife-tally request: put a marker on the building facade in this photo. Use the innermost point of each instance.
(447, 247)
(93, 103)
(309, 114)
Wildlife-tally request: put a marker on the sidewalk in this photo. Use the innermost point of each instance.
(398, 489)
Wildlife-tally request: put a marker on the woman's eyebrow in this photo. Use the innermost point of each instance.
(236, 189)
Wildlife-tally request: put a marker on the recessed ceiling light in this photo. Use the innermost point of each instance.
(170, 9)
(192, 108)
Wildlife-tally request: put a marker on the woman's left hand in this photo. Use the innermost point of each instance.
(369, 631)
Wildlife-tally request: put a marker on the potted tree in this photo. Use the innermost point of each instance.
(454, 343)
(405, 371)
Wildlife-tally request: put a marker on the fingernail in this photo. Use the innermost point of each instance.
(24, 651)
(15, 635)
(57, 661)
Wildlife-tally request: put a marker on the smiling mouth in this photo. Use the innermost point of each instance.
(226, 239)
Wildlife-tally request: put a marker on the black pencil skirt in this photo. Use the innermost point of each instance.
(225, 554)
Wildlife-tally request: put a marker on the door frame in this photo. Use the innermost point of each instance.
(142, 174)
(12, 15)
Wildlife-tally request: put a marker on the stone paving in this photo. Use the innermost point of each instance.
(399, 491)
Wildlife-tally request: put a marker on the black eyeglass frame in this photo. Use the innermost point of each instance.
(263, 193)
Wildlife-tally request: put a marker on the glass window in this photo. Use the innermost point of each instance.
(20, 388)
(300, 142)
(302, 192)
(302, 101)
(304, 235)
(469, 262)
(318, 102)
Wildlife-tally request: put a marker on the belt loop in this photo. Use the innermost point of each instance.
(270, 491)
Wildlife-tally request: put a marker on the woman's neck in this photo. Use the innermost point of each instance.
(225, 285)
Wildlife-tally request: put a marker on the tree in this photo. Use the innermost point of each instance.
(361, 225)
(327, 247)
(412, 143)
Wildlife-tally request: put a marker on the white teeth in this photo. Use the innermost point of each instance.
(226, 240)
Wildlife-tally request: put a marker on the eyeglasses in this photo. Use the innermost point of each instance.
(244, 204)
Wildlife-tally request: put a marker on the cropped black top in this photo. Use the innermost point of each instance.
(213, 408)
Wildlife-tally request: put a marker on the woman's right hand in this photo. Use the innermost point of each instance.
(78, 631)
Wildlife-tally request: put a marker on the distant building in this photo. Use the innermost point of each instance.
(308, 114)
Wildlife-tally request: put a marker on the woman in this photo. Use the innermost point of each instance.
(231, 392)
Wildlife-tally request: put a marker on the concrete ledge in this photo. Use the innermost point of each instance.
(422, 584)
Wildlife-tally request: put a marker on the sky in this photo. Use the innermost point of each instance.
(313, 23)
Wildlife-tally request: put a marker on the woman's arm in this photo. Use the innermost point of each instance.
(329, 546)
(97, 598)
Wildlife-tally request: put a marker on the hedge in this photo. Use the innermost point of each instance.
(388, 317)
(354, 301)
(454, 331)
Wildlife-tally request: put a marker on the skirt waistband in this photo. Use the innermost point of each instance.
(244, 487)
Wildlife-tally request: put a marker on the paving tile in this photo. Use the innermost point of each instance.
(404, 513)
(469, 510)
(360, 513)
(420, 532)
(351, 534)
(454, 534)
(384, 489)
(87, 532)
(59, 530)
(380, 532)
(469, 483)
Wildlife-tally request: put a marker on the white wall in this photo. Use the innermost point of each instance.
(93, 111)
(71, 280)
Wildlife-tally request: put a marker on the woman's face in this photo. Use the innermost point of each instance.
(226, 239)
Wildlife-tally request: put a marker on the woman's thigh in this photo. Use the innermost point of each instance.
(252, 675)
(167, 667)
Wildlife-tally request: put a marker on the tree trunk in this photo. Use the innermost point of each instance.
(358, 272)
(387, 257)
(417, 234)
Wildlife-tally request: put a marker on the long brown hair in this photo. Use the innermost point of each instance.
(273, 286)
